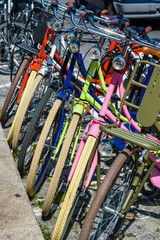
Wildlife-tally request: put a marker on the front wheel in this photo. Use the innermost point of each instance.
(44, 149)
(60, 164)
(74, 189)
(36, 92)
(103, 220)
(12, 95)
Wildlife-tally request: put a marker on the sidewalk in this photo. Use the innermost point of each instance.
(17, 220)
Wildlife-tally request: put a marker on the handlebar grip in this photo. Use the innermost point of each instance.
(70, 4)
(148, 29)
(104, 12)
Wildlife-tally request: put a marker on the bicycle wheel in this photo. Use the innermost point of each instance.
(25, 93)
(14, 89)
(36, 91)
(60, 164)
(71, 197)
(17, 33)
(41, 159)
(34, 130)
(103, 220)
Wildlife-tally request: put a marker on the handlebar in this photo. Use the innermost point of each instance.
(104, 19)
(131, 37)
(107, 21)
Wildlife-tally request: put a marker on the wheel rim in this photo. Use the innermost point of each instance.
(106, 221)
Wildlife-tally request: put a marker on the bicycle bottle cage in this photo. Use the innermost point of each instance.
(148, 108)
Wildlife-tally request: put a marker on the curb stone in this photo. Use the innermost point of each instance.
(17, 220)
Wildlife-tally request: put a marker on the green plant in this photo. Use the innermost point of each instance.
(75, 226)
(16, 155)
(158, 230)
(54, 217)
(59, 197)
(130, 235)
(119, 236)
(45, 231)
(48, 179)
(37, 202)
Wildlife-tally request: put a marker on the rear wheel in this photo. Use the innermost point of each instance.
(103, 220)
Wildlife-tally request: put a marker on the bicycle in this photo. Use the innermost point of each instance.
(84, 158)
(33, 79)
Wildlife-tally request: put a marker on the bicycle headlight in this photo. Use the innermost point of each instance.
(105, 148)
(71, 36)
(119, 62)
(74, 47)
(95, 52)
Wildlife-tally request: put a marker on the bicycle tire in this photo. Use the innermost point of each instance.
(35, 161)
(17, 25)
(63, 221)
(34, 129)
(105, 188)
(13, 91)
(23, 111)
(60, 164)
(25, 93)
